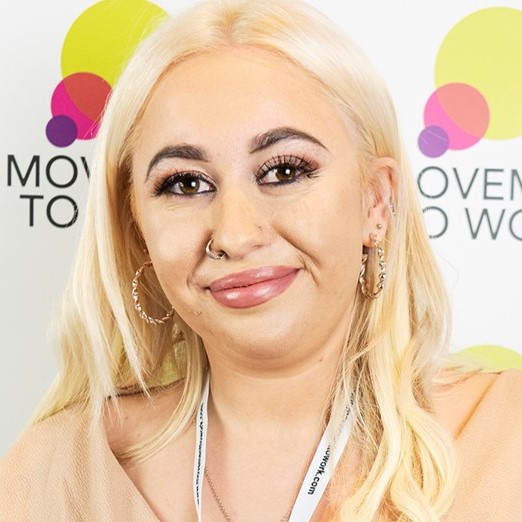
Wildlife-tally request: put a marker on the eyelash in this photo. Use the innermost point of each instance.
(301, 166)
(168, 184)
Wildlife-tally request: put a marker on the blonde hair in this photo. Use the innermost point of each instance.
(395, 343)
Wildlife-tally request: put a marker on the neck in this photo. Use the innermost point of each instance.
(293, 395)
(265, 422)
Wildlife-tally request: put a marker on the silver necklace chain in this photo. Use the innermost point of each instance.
(222, 508)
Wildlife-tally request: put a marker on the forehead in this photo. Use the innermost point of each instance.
(236, 92)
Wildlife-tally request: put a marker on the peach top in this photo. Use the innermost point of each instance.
(60, 470)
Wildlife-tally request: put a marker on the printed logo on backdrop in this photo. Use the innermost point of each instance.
(94, 51)
(478, 97)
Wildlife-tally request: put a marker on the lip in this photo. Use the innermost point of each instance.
(252, 287)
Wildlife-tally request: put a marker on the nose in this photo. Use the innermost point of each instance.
(238, 225)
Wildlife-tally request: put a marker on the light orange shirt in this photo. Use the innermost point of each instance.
(60, 470)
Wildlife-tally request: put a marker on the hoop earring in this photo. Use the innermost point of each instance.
(220, 254)
(379, 287)
(137, 305)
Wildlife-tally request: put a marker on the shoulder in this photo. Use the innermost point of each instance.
(63, 468)
(484, 413)
(479, 401)
(40, 453)
(41, 440)
(132, 418)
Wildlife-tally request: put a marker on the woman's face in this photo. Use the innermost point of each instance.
(242, 147)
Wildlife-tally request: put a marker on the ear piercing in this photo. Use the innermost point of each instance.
(379, 287)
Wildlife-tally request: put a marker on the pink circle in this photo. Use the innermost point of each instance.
(81, 97)
(461, 111)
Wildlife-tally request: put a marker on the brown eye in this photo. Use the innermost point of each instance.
(283, 170)
(188, 186)
(185, 184)
(283, 173)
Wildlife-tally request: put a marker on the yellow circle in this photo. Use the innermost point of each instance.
(484, 50)
(493, 358)
(104, 36)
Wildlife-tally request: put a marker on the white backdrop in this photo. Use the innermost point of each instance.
(40, 183)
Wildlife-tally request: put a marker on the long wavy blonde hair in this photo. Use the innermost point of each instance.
(395, 343)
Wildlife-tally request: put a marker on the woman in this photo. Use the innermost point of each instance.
(279, 354)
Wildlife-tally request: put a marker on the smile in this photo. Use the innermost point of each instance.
(252, 287)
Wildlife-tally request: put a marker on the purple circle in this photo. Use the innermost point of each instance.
(433, 141)
(61, 131)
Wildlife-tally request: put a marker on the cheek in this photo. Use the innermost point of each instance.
(174, 249)
(326, 225)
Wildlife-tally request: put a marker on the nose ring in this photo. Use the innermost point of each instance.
(214, 255)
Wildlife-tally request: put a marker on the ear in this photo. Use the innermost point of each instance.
(379, 199)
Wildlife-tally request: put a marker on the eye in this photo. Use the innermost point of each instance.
(283, 170)
(185, 184)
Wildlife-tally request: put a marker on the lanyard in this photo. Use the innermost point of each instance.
(201, 447)
(316, 479)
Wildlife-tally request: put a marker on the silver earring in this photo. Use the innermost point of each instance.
(214, 255)
(379, 287)
(137, 305)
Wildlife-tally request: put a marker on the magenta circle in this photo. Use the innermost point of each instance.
(63, 105)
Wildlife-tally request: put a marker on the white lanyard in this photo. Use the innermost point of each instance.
(316, 479)
(201, 447)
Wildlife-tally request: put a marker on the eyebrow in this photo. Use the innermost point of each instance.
(273, 136)
(258, 143)
(183, 151)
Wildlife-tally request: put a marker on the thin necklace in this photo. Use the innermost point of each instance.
(222, 508)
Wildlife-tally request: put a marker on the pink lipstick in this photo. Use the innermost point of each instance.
(252, 287)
